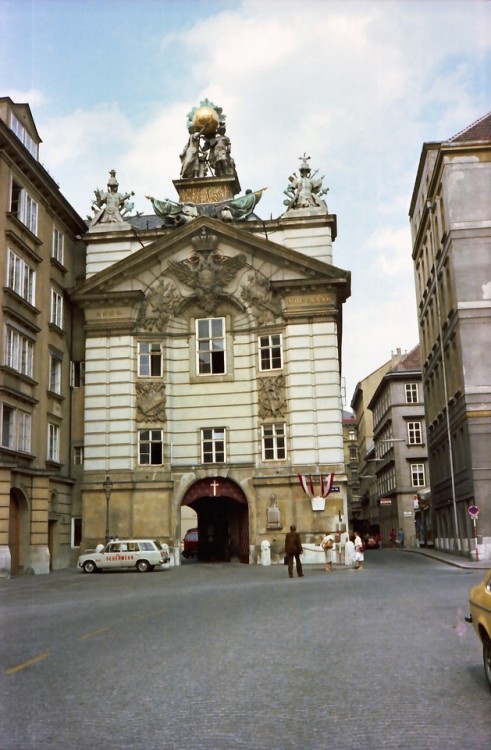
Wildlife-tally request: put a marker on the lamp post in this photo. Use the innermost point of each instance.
(108, 485)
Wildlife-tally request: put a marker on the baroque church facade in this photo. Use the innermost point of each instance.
(210, 372)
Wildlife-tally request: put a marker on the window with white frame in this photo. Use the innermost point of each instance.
(150, 360)
(56, 313)
(273, 441)
(53, 442)
(58, 245)
(24, 206)
(16, 429)
(24, 136)
(151, 447)
(77, 374)
(78, 455)
(352, 435)
(20, 277)
(270, 352)
(411, 390)
(213, 445)
(414, 433)
(18, 351)
(417, 475)
(210, 349)
(54, 373)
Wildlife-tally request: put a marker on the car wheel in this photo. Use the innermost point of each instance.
(90, 566)
(486, 655)
(142, 566)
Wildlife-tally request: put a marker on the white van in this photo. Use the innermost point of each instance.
(142, 554)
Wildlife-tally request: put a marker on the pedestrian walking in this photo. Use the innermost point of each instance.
(392, 538)
(349, 551)
(293, 550)
(327, 545)
(359, 552)
(400, 539)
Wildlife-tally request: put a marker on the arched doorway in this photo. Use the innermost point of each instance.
(14, 534)
(223, 519)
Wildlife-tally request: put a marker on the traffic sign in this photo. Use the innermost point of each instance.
(473, 511)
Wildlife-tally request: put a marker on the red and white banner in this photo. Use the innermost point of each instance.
(326, 484)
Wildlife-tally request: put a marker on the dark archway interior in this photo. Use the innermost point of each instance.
(222, 529)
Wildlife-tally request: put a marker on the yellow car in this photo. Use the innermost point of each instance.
(480, 617)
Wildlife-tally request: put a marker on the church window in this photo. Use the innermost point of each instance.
(213, 445)
(151, 447)
(20, 277)
(274, 441)
(270, 352)
(150, 359)
(210, 335)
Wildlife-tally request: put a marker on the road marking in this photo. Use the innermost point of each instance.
(91, 634)
(29, 663)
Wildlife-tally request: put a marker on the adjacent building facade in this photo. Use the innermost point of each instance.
(41, 257)
(450, 217)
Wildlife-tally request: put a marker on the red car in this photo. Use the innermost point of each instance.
(190, 543)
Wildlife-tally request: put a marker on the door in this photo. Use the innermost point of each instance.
(14, 535)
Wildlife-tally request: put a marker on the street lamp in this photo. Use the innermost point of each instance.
(108, 486)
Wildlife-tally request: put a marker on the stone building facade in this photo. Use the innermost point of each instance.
(41, 256)
(451, 234)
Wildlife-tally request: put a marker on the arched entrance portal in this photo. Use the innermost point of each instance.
(223, 519)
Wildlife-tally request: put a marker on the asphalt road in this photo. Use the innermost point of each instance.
(232, 657)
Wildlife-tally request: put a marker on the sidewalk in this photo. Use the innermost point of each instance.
(445, 557)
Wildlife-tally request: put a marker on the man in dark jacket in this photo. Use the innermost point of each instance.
(293, 549)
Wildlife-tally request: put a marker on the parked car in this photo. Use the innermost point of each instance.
(371, 543)
(480, 617)
(142, 554)
(190, 543)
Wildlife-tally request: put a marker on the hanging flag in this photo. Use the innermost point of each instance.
(311, 485)
(303, 483)
(330, 482)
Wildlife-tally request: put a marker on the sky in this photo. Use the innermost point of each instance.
(358, 85)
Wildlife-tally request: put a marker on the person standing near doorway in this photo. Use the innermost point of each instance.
(293, 550)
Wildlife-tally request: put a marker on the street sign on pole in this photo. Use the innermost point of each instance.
(473, 511)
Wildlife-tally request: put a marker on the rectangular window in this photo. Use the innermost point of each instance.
(53, 442)
(24, 206)
(58, 245)
(210, 337)
(76, 535)
(414, 433)
(54, 374)
(150, 359)
(151, 447)
(19, 352)
(56, 315)
(270, 352)
(78, 455)
(274, 441)
(23, 136)
(417, 475)
(77, 374)
(213, 445)
(20, 277)
(411, 390)
(16, 429)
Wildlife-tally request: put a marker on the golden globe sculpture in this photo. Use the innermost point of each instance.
(205, 119)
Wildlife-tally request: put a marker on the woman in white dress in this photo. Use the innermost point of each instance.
(359, 554)
(327, 544)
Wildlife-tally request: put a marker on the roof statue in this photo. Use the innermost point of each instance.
(208, 183)
(304, 191)
(111, 207)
